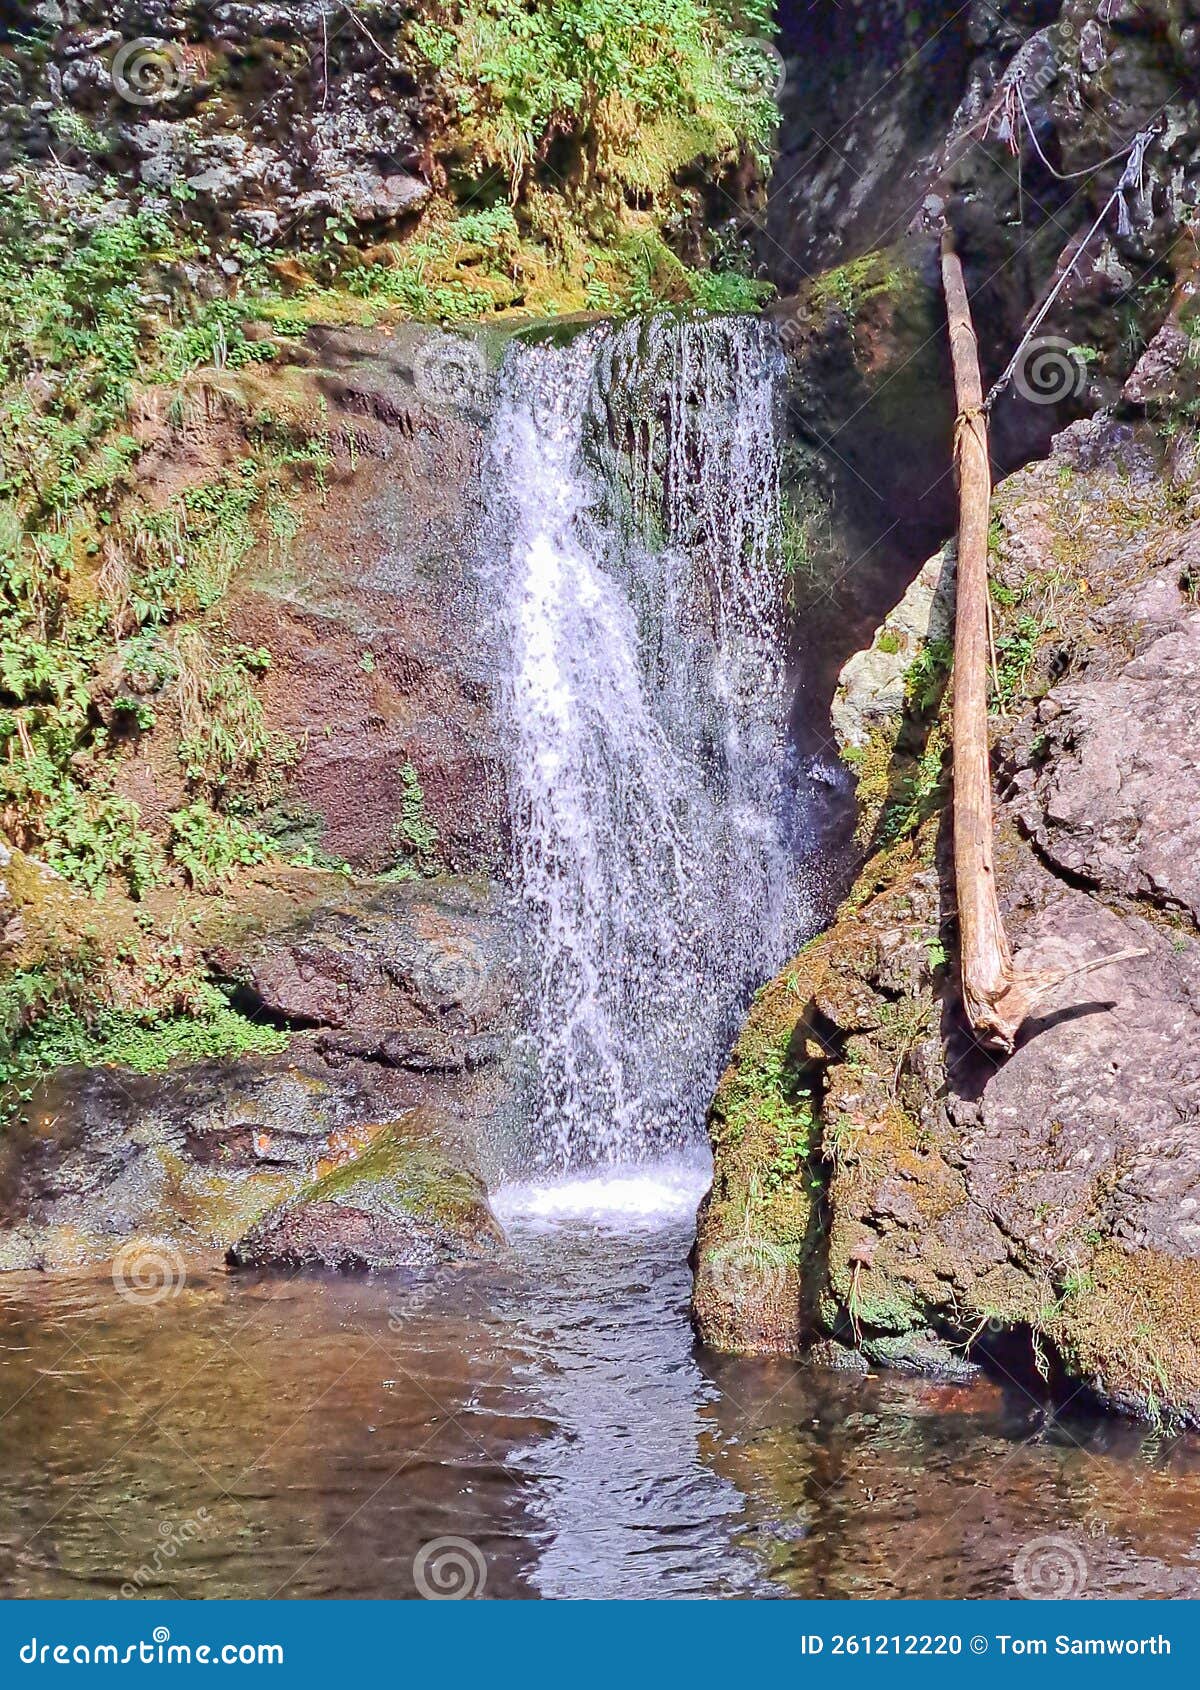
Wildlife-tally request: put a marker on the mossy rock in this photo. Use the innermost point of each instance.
(404, 1202)
(923, 1353)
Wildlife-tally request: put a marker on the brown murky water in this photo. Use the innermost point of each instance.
(305, 1437)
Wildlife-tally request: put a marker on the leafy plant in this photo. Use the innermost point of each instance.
(643, 86)
(1015, 653)
(209, 846)
(146, 1043)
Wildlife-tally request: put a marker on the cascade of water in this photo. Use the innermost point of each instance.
(634, 571)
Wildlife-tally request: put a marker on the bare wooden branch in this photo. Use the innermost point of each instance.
(997, 997)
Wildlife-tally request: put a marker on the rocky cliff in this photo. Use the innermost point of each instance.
(881, 1181)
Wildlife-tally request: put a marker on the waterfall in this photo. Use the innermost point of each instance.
(633, 570)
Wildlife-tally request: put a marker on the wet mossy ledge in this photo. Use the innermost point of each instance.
(948, 1210)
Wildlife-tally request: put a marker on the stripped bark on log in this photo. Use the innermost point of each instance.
(997, 997)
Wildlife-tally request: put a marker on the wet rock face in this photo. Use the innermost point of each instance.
(190, 1157)
(870, 92)
(379, 669)
(379, 680)
(1049, 1200)
(416, 975)
(894, 116)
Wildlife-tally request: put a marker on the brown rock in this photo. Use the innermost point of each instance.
(406, 1201)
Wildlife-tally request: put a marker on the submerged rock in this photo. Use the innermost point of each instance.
(191, 1156)
(836, 1358)
(921, 1352)
(403, 1202)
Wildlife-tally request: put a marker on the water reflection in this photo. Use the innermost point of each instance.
(629, 1508)
(305, 1437)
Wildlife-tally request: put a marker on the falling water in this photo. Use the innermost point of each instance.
(634, 569)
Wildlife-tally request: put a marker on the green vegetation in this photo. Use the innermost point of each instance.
(146, 1043)
(636, 89)
(852, 286)
(926, 676)
(208, 846)
(921, 793)
(899, 769)
(416, 835)
(108, 603)
(1015, 654)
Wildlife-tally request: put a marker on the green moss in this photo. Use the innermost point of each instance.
(644, 90)
(1129, 1323)
(399, 1172)
(407, 1182)
(121, 1039)
(415, 833)
(876, 1303)
(851, 287)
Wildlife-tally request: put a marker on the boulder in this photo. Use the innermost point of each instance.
(191, 1156)
(417, 974)
(400, 999)
(403, 1202)
(872, 685)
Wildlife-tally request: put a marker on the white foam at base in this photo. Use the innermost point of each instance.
(621, 1198)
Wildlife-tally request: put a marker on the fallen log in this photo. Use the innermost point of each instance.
(997, 997)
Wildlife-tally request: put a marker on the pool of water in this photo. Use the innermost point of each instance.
(266, 1437)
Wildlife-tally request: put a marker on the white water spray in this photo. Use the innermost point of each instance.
(634, 570)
